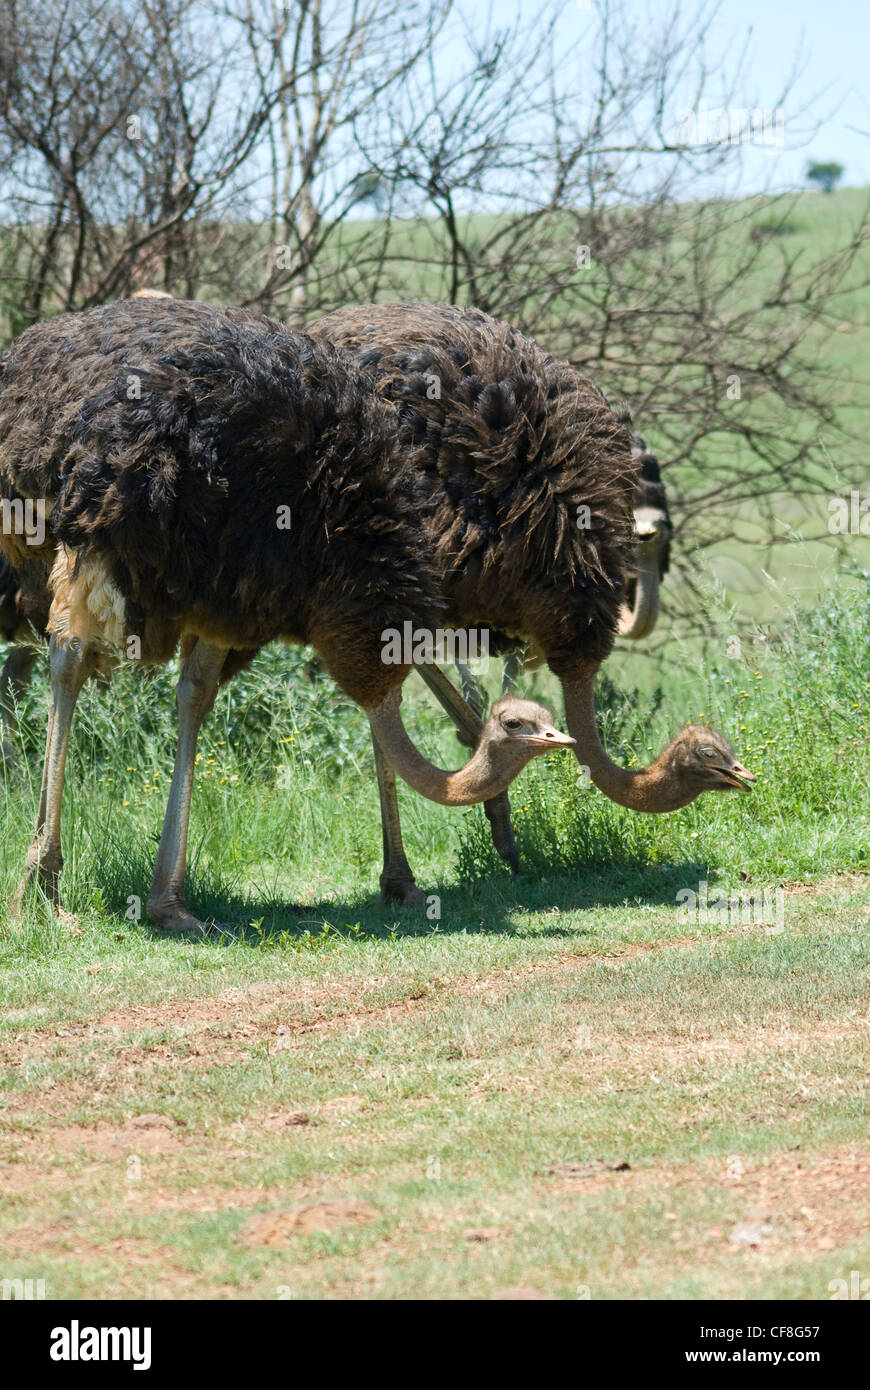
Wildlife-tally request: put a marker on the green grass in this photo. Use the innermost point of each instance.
(470, 1075)
(440, 1080)
(445, 1071)
(285, 813)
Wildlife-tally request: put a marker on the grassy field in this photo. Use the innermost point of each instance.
(561, 1092)
(559, 1085)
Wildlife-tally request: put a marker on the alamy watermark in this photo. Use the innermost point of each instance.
(765, 909)
(23, 516)
(22, 1290)
(852, 1288)
(736, 125)
(425, 646)
(77, 1343)
(849, 516)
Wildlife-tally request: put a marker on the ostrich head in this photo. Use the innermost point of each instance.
(522, 730)
(653, 528)
(703, 761)
(515, 732)
(697, 760)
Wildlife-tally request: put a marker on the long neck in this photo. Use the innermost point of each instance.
(482, 777)
(640, 619)
(655, 788)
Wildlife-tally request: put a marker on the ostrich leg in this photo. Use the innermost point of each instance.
(472, 692)
(71, 664)
(197, 687)
(498, 808)
(513, 665)
(397, 878)
(13, 683)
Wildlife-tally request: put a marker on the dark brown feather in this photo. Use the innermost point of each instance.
(166, 435)
(506, 445)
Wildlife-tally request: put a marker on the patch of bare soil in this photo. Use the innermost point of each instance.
(344, 1105)
(214, 1028)
(784, 1201)
(851, 882)
(326, 1214)
(141, 1134)
(36, 1153)
(68, 1235)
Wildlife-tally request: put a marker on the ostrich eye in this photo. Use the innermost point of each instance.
(512, 723)
(707, 752)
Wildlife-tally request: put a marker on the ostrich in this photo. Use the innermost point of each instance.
(651, 558)
(652, 523)
(524, 479)
(218, 482)
(649, 564)
(23, 614)
(637, 619)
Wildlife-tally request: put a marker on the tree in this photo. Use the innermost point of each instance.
(296, 155)
(123, 144)
(825, 175)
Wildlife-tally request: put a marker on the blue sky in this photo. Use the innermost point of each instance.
(820, 48)
(835, 35)
(836, 40)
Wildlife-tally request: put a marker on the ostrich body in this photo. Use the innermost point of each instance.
(24, 608)
(23, 616)
(169, 440)
(525, 482)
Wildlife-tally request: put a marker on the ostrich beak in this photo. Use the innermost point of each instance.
(548, 737)
(736, 775)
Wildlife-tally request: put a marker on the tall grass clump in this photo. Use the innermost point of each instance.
(285, 809)
(795, 706)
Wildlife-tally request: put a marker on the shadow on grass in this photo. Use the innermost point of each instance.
(494, 903)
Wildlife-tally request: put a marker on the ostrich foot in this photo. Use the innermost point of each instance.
(173, 915)
(401, 890)
(46, 872)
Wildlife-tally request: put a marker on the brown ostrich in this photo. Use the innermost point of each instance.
(636, 620)
(24, 618)
(218, 482)
(524, 480)
(648, 565)
(651, 554)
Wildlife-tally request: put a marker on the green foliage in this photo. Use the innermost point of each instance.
(796, 709)
(825, 174)
(767, 227)
(281, 706)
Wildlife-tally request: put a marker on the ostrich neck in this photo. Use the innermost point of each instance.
(640, 619)
(655, 788)
(483, 776)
